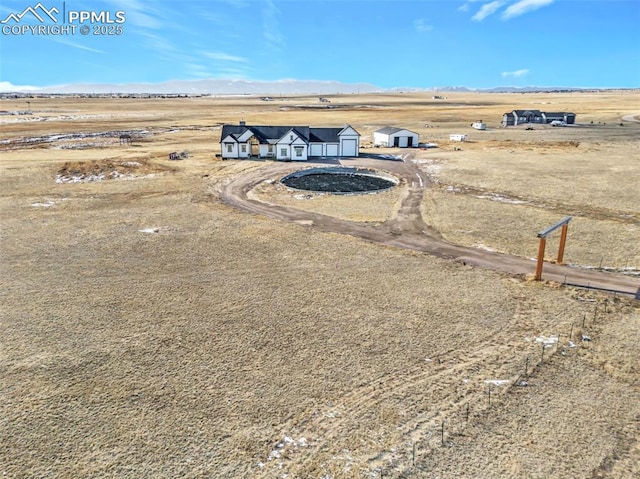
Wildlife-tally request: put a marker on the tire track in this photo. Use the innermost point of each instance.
(448, 381)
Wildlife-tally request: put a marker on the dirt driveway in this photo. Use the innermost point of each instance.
(407, 229)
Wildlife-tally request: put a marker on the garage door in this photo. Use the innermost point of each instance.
(332, 150)
(316, 150)
(349, 148)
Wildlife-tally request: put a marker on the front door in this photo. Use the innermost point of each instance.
(409, 141)
(396, 141)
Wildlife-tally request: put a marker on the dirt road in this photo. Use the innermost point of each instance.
(407, 229)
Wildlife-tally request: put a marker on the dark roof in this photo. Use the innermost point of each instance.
(233, 130)
(522, 112)
(324, 135)
(265, 133)
(558, 113)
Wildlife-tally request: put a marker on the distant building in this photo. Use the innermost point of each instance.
(518, 117)
(568, 118)
(395, 137)
(287, 143)
(458, 137)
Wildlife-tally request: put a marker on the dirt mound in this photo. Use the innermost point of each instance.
(91, 171)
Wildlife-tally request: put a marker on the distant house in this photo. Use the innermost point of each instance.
(518, 117)
(396, 137)
(287, 143)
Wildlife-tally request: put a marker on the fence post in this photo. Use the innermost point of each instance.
(541, 248)
(571, 333)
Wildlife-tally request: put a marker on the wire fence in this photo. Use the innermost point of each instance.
(571, 336)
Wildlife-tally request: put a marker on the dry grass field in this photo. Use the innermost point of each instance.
(150, 330)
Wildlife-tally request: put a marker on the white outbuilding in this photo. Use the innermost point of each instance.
(395, 137)
(458, 137)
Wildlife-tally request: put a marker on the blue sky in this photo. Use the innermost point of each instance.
(421, 44)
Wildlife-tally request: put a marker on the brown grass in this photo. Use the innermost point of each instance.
(151, 331)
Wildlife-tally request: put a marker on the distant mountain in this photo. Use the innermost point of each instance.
(450, 88)
(214, 86)
(529, 89)
(209, 86)
(501, 89)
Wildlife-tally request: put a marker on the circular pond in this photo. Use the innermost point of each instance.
(339, 180)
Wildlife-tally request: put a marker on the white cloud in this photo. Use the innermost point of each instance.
(516, 74)
(487, 9)
(141, 13)
(224, 57)
(197, 70)
(234, 73)
(77, 45)
(6, 86)
(224, 65)
(465, 6)
(271, 27)
(158, 43)
(524, 6)
(421, 26)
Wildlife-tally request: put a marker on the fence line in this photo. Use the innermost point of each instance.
(445, 429)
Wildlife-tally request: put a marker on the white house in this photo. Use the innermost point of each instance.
(396, 137)
(297, 143)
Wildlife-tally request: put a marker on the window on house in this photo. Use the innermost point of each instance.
(229, 148)
(291, 137)
(283, 152)
(243, 148)
(298, 151)
(270, 148)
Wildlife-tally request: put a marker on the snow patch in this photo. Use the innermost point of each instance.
(484, 247)
(627, 270)
(547, 340)
(497, 382)
(281, 448)
(149, 230)
(45, 204)
(114, 175)
(81, 178)
(500, 199)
